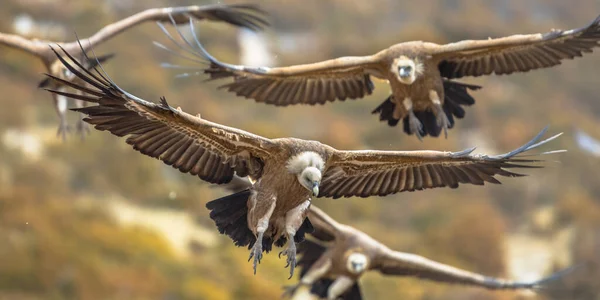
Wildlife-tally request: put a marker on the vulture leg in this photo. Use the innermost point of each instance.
(60, 104)
(293, 220)
(81, 127)
(290, 252)
(415, 125)
(440, 115)
(257, 250)
(339, 287)
(261, 227)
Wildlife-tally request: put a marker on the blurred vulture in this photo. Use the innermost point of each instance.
(419, 74)
(332, 263)
(248, 16)
(287, 172)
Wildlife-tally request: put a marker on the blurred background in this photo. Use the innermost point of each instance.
(94, 219)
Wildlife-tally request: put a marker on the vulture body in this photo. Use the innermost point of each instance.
(248, 16)
(332, 263)
(424, 96)
(287, 172)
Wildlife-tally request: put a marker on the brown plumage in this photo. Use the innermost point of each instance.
(287, 172)
(418, 73)
(332, 263)
(242, 15)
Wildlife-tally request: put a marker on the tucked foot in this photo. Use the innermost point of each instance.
(415, 125)
(442, 119)
(256, 252)
(290, 252)
(63, 130)
(82, 129)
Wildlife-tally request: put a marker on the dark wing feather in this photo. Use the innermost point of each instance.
(338, 79)
(396, 263)
(242, 15)
(88, 63)
(367, 173)
(517, 53)
(192, 145)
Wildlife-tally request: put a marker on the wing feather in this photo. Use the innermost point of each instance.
(337, 79)
(367, 173)
(241, 15)
(390, 262)
(193, 145)
(516, 53)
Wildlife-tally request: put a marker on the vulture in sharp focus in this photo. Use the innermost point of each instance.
(424, 96)
(287, 172)
(242, 15)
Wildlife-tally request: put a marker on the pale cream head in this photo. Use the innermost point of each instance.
(357, 263)
(407, 70)
(308, 167)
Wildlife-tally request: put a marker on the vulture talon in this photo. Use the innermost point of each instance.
(415, 125)
(290, 252)
(256, 252)
(63, 130)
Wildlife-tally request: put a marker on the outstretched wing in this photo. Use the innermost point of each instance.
(325, 227)
(367, 173)
(21, 43)
(337, 79)
(516, 53)
(192, 145)
(391, 262)
(242, 15)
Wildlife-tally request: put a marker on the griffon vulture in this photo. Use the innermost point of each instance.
(332, 264)
(287, 172)
(419, 74)
(242, 15)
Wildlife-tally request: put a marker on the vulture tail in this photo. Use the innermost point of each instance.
(310, 252)
(230, 214)
(456, 96)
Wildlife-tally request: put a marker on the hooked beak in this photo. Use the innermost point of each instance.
(403, 72)
(315, 189)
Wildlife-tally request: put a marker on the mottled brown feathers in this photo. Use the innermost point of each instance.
(522, 54)
(159, 131)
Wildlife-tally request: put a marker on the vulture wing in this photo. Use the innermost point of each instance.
(367, 173)
(192, 145)
(391, 262)
(241, 15)
(516, 53)
(337, 79)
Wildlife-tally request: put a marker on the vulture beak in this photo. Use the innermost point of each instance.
(315, 189)
(404, 72)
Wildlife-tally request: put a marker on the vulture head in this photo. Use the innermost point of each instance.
(357, 263)
(407, 69)
(308, 167)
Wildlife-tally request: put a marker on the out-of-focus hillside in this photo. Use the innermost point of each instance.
(90, 220)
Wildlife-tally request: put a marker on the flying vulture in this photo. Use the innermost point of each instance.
(242, 15)
(333, 262)
(420, 74)
(287, 172)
